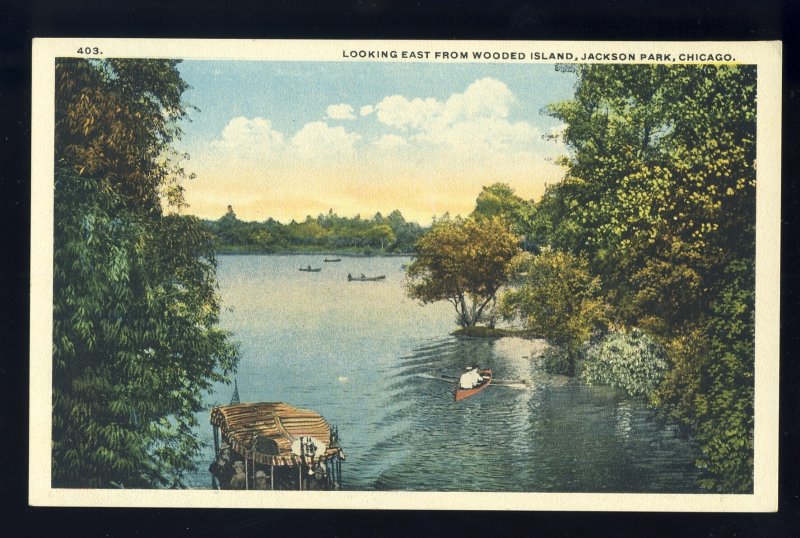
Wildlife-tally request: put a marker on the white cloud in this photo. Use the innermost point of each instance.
(390, 141)
(341, 111)
(253, 144)
(424, 155)
(242, 135)
(473, 124)
(484, 97)
(318, 140)
(399, 112)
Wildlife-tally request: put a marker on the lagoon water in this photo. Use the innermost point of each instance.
(368, 359)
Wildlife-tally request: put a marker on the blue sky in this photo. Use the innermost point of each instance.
(287, 139)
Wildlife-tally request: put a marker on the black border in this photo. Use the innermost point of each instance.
(469, 19)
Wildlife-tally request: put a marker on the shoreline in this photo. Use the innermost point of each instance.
(301, 253)
(486, 332)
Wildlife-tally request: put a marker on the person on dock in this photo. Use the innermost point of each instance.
(221, 468)
(239, 480)
(222, 471)
(317, 480)
(470, 378)
(261, 480)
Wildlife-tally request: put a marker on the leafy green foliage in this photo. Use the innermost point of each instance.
(556, 360)
(325, 233)
(557, 298)
(725, 401)
(499, 199)
(631, 361)
(135, 336)
(119, 130)
(710, 388)
(660, 184)
(465, 262)
(659, 197)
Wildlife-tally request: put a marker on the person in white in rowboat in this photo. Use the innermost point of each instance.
(470, 378)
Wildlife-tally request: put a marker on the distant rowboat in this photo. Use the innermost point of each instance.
(364, 278)
(309, 269)
(332, 260)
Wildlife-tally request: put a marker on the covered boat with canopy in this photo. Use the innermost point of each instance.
(294, 447)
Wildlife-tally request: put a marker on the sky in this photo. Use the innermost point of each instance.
(291, 139)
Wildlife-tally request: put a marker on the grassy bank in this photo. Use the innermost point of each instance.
(486, 332)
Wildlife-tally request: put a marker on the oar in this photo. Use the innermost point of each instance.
(521, 384)
(506, 381)
(510, 383)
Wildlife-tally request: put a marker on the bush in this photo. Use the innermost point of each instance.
(633, 362)
(555, 360)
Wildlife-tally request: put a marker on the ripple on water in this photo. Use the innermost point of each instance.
(398, 423)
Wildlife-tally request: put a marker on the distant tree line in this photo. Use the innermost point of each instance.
(326, 232)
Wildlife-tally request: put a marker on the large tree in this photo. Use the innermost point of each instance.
(557, 298)
(464, 262)
(135, 340)
(499, 200)
(660, 188)
(659, 197)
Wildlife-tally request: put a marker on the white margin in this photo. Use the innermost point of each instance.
(766, 55)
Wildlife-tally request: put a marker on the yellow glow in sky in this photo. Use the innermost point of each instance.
(421, 155)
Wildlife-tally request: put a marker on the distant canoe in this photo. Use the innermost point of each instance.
(364, 278)
(332, 260)
(311, 269)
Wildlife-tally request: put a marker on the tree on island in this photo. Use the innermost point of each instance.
(464, 262)
(136, 342)
(499, 200)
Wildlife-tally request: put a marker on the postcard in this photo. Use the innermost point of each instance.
(474, 275)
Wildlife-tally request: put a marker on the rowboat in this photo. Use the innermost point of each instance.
(461, 394)
(364, 278)
(332, 260)
(311, 270)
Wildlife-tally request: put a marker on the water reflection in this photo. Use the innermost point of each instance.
(623, 416)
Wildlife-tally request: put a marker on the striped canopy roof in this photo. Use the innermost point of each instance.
(279, 422)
